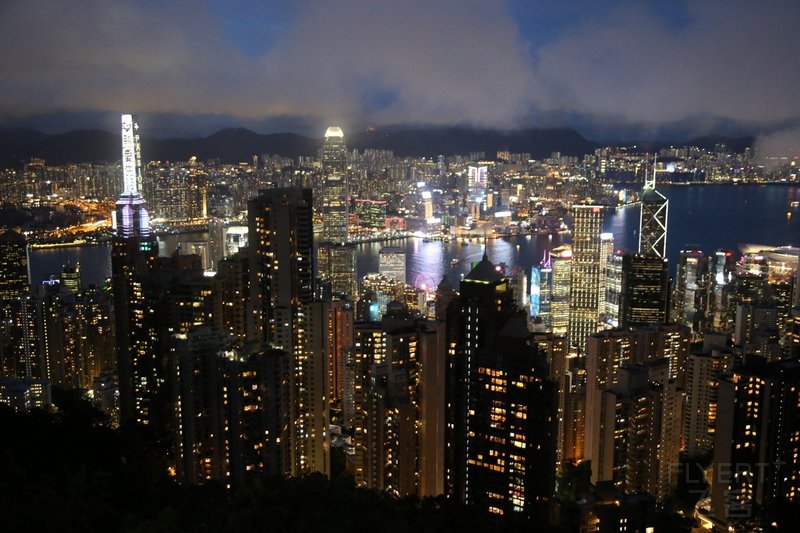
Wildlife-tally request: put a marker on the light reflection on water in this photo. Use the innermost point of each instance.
(721, 216)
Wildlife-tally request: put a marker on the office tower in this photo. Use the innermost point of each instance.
(400, 424)
(340, 317)
(587, 223)
(71, 277)
(133, 253)
(427, 205)
(606, 253)
(756, 446)
(561, 260)
(371, 214)
(644, 290)
(336, 258)
(392, 263)
(653, 219)
(542, 291)
(476, 178)
(613, 296)
(335, 193)
(282, 280)
(230, 414)
(704, 369)
(691, 289)
(511, 425)
(723, 266)
(337, 265)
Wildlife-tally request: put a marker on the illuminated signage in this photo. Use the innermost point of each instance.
(128, 155)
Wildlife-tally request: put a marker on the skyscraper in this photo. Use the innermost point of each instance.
(335, 193)
(133, 253)
(13, 264)
(399, 426)
(13, 287)
(512, 425)
(653, 218)
(756, 446)
(336, 259)
(691, 289)
(282, 280)
(561, 260)
(644, 290)
(587, 224)
(392, 263)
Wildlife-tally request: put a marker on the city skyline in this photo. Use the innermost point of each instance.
(276, 66)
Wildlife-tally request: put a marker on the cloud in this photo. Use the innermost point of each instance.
(778, 144)
(730, 61)
(414, 61)
(626, 67)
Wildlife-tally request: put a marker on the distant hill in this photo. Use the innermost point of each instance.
(233, 145)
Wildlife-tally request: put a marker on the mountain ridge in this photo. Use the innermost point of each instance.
(232, 145)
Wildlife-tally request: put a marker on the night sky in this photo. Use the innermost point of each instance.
(622, 69)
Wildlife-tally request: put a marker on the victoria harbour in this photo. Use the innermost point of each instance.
(709, 216)
(399, 267)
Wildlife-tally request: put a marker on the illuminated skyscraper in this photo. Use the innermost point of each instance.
(392, 263)
(335, 193)
(653, 219)
(691, 289)
(511, 424)
(71, 277)
(561, 260)
(587, 224)
(134, 251)
(336, 259)
(606, 253)
(644, 290)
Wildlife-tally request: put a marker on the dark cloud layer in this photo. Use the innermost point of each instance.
(359, 62)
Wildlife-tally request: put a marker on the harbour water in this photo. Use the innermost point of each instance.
(710, 216)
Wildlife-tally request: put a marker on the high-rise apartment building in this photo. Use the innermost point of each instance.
(511, 425)
(756, 468)
(230, 411)
(399, 422)
(290, 317)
